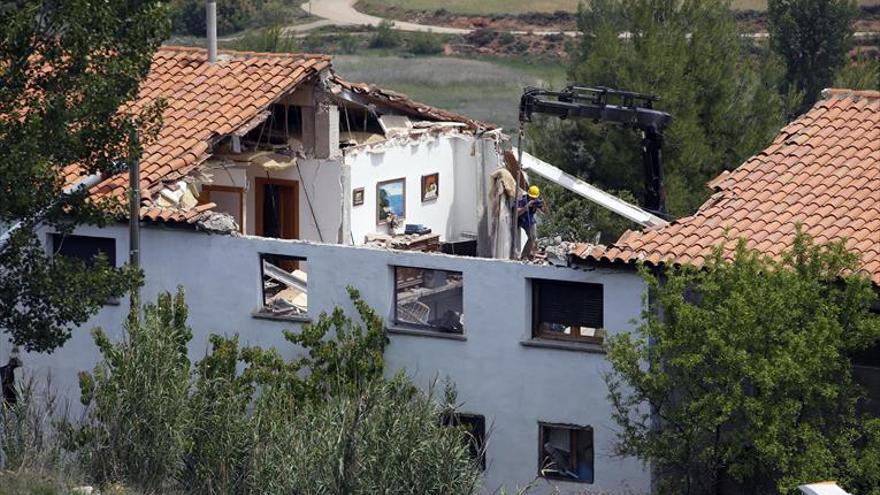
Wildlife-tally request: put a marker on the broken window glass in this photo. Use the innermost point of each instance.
(429, 299)
(285, 285)
(568, 310)
(566, 452)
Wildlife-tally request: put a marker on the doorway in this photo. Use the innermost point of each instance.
(276, 204)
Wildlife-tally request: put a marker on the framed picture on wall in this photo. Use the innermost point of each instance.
(390, 199)
(430, 187)
(357, 196)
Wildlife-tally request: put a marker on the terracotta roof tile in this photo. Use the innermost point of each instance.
(822, 171)
(184, 78)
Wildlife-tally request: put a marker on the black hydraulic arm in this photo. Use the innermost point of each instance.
(609, 105)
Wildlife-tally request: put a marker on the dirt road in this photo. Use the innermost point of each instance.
(342, 13)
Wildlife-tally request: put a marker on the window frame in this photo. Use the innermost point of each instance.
(417, 326)
(572, 448)
(537, 332)
(261, 309)
(476, 443)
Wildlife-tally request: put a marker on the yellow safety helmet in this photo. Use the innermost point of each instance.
(534, 192)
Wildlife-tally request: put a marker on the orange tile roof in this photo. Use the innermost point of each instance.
(822, 172)
(205, 101)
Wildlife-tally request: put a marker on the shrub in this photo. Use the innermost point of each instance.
(425, 44)
(347, 44)
(386, 438)
(385, 36)
(506, 38)
(481, 37)
(137, 399)
(271, 40)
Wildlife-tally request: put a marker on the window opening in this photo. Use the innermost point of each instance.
(284, 285)
(429, 299)
(473, 428)
(566, 452)
(568, 310)
(84, 248)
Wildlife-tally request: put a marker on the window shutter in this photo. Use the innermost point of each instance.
(570, 303)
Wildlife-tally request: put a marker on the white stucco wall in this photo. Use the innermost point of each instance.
(512, 385)
(453, 212)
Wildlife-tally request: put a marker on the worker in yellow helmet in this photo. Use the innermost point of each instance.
(526, 208)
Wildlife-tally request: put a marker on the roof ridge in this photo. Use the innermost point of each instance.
(845, 93)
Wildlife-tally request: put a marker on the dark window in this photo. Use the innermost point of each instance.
(84, 248)
(285, 285)
(567, 310)
(566, 452)
(473, 427)
(430, 299)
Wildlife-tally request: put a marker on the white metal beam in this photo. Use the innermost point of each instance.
(590, 192)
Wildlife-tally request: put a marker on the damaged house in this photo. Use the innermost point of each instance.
(274, 184)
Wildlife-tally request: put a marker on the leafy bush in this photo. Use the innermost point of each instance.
(271, 40)
(386, 438)
(481, 37)
(188, 16)
(347, 44)
(137, 399)
(749, 373)
(249, 421)
(506, 38)
(424, 44)
(385, 36)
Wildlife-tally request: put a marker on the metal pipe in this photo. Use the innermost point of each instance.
(211, 22)
(134, 219)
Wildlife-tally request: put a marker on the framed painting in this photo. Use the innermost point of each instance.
(430, 187)
(390, 199)
(357, 196)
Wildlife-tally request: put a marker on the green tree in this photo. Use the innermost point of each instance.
(66, 69)
(744, 384)
(813, 37)
(861, 73)
(722, 96)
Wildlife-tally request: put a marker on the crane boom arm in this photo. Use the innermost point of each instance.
(624, 108)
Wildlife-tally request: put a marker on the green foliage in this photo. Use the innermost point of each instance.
(574, 219)
(420, 43)
(723, 99)
(347, 44)
(250, 421)
(385, 36)
(861, 73)
(386, 438)
(51, 120)
(269, 40)
(137, 400)
(747, 374)
(813, 37)
(188, 16)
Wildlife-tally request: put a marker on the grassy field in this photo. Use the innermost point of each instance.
(485, 7)
(486, 89)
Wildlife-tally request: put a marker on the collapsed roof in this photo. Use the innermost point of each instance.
(822, 172)
(207, 102)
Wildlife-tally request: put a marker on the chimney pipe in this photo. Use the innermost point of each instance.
(211, 21)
